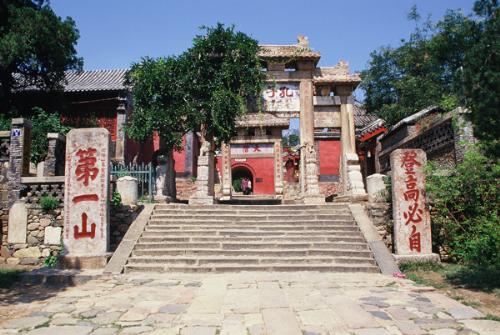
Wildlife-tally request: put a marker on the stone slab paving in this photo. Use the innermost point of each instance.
(248, 303)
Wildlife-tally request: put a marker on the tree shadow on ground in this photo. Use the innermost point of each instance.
(483, 278)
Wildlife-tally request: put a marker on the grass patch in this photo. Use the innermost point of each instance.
(8, 277)
(482, 278)
(492, 317)
(424, 266)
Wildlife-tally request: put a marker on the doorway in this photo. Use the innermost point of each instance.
(239, 173)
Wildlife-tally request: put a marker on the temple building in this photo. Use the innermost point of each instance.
(337, 139)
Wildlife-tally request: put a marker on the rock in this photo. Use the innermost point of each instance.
(32, 252)
(4, 252)
(33, 226)
(13, 261)
(45, 222)
(26, 323)
(28, 261)
(52, 235)
(32, 240)
(45, 252)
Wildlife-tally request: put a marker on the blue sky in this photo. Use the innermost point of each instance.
(115, 33)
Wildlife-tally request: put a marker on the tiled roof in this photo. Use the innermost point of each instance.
(296, 51)
(337, 73)
(361, 117)
(261, 119)
(95, 80)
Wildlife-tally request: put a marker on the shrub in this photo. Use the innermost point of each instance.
(237, 185)
(48, 204)
(465, 210)
(116, 199)
(51, 261)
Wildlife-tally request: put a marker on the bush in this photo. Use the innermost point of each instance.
(48, 204)
(237, 185)
(116, 199)
(465, 210)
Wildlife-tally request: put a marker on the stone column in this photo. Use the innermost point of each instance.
(204, 194)
(351, 177)
(165, 178)
(226, 171)
(19, 161)
(54, 161)
(121, 119)
(309, 169)
(278, 169)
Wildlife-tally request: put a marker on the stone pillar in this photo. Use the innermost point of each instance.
(19, 161)
(309, 169)
(412, 223)
(204, 194)
(350, 170)
(189, 158)
(127, 188)
(375, 187)
(278, 169)
(86, 198)
(54, 161)
(121, 120)
(165, 178)
(226, 171)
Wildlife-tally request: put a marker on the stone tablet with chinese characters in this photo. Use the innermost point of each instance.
(86, 193)
(412, 224)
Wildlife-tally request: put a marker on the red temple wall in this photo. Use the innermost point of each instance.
(262, 169)
(329, 157)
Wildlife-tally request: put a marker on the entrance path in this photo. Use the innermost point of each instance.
(247, 303)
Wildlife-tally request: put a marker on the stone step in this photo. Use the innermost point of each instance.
(173, 239)
(323, 223)
(236, 268)
(284, 227)
(254, 245)
(259, 218)
(166, 251)
(332, 206)
(203, 260)
(151, 232)
(250, 212)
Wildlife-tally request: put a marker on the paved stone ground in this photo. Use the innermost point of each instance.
(247, 304)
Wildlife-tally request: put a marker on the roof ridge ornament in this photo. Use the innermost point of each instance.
(303, 41)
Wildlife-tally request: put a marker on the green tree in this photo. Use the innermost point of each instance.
(43, 123)
(36, 47)
(208, 85)
(481, 75)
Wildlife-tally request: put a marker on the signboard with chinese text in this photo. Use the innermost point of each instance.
(281, 97)
(252, 149)
(412, 225)
(86, 193)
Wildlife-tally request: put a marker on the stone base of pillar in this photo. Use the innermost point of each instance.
(85, 262)
(163, 199)
(424, 258)
(352, 198)
(316, 199)
(201, 200)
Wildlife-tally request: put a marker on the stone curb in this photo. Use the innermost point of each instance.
(122, 253)
(383, 257)
(58, 277)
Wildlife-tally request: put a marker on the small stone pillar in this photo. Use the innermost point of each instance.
(121, 120)
(412, 223)
(204, 194)
(127, 188)
(165, 178)
(18, 223)
(19, 161)
(226, 171)
(86, 198)
(375, 187)
(278, 169)
(54, 161)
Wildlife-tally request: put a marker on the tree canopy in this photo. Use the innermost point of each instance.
(209, 84)
(36, 47)
(447, 63)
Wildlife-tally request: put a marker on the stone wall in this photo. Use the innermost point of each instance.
(43, 238)
(328, 189)
(186, 187)
(120, 220)
(381, 215)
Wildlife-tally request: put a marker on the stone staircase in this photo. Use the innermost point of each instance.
(181, 238)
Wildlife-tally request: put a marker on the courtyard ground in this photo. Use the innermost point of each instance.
(239, 303)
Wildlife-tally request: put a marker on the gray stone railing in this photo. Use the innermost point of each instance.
(33, 188)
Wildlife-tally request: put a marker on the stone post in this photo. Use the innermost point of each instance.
(375, 187)
(350, 170)
(278, 169)
(204, 194)
(121, 119)
(165, 178)
(127, 188)
(86, 198)
(226, 171)
(412, 223)
(19, 161)
(309, 170)
(54, 161)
